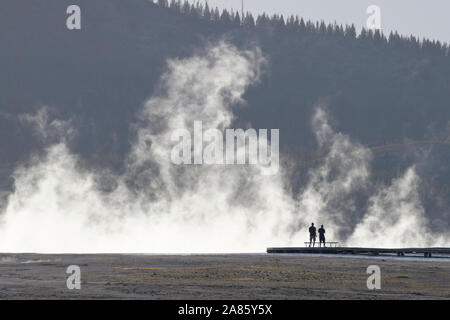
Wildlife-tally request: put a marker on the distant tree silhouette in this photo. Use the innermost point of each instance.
(207, 12)
(163, 3)
(295, 24)
(237, 19)
(175, 5)
(350, 31)
(225, 18)
(292, 23)
(302, 25)
(249, 21)
(216, 15)
(322, 28)
(263, 21)
(186, 9)
(194, 11)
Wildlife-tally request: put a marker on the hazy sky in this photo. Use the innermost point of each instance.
(423, 18)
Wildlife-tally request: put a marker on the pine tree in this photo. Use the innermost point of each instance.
(199, 9)
(249, 21)
(350, 31)
(186, 9)
(262, 21)
(332, 29)
(175, 5)
(280, 23)
(163, 3)
(194, 11)
(340, 30)
(296, 24)
(394, 39)
(225, 17)
(364, 34)
(322, 28)
(292, 23)
(302, 25)
(216, 15)
(310, 26)
(237, 19)
(207, 12)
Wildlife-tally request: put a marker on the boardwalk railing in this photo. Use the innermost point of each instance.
(427, 252)
(329, 244)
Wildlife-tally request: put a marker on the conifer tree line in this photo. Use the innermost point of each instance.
(293, 23)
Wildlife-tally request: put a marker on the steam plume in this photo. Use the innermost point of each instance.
(156, 206)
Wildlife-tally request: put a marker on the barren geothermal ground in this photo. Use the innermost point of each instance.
(242, 276)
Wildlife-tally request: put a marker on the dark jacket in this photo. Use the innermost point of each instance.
(322, 232)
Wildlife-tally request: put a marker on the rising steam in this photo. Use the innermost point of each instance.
(159, 207)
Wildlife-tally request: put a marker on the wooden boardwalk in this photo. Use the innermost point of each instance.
(427, 252)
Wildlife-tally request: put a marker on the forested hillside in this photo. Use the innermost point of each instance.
(386, 91)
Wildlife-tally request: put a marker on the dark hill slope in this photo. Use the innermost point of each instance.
(379, 92)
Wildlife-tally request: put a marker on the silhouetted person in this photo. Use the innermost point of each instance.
(312, 235)
(321, 236)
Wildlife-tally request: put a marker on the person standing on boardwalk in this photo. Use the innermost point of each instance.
(312, 235)
(321, 236)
